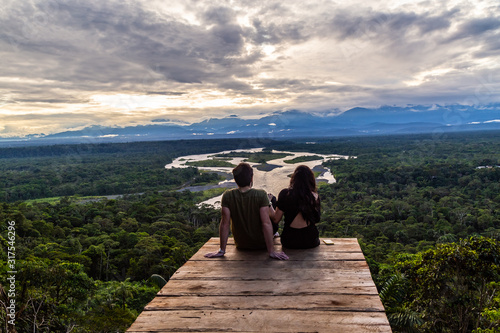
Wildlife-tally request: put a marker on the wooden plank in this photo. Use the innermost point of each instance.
(270, 270)
(268, 263)
(215, 240)
(347, 285)
(317, 253)
(325, 289)
(340, 244)
(313, 275)
(322, 302)
(260, 321)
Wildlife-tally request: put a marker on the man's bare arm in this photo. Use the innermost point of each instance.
(224, 228)
(267, 229)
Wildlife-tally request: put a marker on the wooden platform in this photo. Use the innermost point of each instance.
(325, 289)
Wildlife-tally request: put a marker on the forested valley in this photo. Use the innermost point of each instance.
(425, 209)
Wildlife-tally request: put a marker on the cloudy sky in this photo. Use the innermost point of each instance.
(67, 64)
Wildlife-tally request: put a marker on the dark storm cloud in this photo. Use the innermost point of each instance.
(50, 101)
(166, 93)
(280, 83)
(273, 33)
(476, 28)
(369, 24)
(490, 48)
(278, 22)
(238, 86)
(116, 45)
(148, 59)
(429, 24)
(110, 42)
(308, 86)
(219, 15)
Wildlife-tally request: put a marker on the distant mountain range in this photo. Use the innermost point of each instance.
(287, 124)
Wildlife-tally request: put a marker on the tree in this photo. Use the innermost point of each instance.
(400, 316)
(451, 285)
(50, 295)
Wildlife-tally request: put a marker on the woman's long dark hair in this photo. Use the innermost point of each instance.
(302, 184)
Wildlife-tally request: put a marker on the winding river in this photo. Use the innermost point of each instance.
(272, 181)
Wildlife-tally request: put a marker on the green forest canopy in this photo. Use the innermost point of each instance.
(412, 201)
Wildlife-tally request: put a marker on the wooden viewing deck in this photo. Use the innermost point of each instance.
(325, 289)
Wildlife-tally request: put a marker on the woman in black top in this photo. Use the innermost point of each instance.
(300, 205)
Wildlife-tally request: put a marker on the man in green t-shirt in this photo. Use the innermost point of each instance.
(246, 212)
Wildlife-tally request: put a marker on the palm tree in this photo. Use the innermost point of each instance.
(401, 318)
(124, 291)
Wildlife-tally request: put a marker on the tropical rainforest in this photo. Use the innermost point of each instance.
(100, 228)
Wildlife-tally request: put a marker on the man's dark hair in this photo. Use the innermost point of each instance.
(243, 174)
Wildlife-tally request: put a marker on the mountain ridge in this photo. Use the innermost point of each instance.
(295, 123)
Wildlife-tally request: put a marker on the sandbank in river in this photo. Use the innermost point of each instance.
(273, 179)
